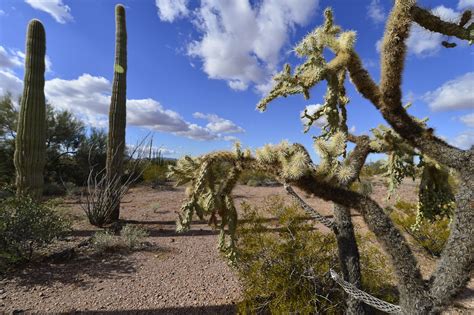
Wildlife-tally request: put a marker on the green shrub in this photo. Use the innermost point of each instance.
(53, 189)
(26, 225)
(155, 173)
(130, 238)
(256, 178)
(284, 268)
(429, 234)
(133, 236)
(373, 168)
(363, 186)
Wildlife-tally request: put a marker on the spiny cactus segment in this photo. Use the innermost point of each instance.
(30, 146)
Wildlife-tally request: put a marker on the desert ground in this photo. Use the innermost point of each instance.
(173, 274)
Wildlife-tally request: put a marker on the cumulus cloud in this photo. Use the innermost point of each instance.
(169, 10)
(454, 94)
(218, 124)
(56, 8)
(90, 97)
(464, 140)
(241, 43)
(376, 12)
(10, 83)
(11, 59)
(465, 4)
(468, 120)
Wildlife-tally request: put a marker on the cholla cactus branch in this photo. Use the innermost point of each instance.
(433, 23)
(310, 210)
(316, 69)
(365, 297)
(436, 197)
(212, 177)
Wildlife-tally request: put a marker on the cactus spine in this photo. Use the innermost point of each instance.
(30, 146)
(117, 113)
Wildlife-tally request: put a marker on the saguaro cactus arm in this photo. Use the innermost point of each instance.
(30, 143)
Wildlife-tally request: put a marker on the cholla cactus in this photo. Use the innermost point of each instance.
(436, 196)
(212, 178)
(288, 162)
(330, 166)
(316, 69)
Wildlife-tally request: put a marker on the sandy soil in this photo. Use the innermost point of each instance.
(176, 274)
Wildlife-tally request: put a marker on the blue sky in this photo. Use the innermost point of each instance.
(197, 69)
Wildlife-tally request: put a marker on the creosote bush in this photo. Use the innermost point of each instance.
(257, 178)
(130, 238)
(27, 225)
(284, 266)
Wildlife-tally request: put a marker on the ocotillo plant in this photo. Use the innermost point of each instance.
(118, 110)
(292, 165)
(30, 146)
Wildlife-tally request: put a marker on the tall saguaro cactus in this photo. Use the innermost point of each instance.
(30, 147)
(117, 113)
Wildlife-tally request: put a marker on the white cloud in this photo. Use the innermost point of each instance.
(310, 110)
(218, 124)
(454, 94)
(2, 12)
(465, 4)
(468, 120)
(375, 11)
(10, 59)
(169, 10)
(10, 83)
(241, 43)
(56, 8)
(89, 96)
(464, 140)
(352, 129)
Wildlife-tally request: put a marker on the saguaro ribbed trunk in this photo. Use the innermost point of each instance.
(30, 142)
(118, 111)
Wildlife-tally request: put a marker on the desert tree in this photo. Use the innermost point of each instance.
(213, 176)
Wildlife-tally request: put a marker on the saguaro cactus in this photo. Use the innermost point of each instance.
(30, 147)
(117, 113)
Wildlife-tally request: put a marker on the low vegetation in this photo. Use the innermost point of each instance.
(256, 178)
(25, 226)
(284, 267)
(130, 238)
(431, 235)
